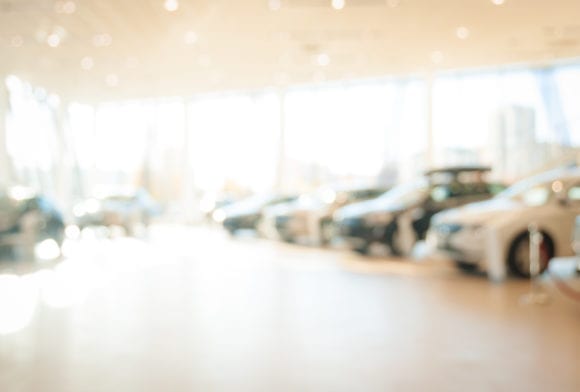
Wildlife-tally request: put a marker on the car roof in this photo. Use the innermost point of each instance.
(454, 170)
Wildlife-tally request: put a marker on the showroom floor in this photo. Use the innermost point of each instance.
(190, 309)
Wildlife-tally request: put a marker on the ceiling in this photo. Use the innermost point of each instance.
(91, 50)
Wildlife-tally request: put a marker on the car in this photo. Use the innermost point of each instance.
(549, 200)
(309, 218)
(401, 216)
(28, 218)
(246, 214)
(126, 209)
(211, 202)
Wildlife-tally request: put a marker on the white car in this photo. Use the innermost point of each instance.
(497, 229)
(309, 218)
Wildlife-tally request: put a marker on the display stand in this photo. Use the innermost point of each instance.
(536, 296)
(496, 268)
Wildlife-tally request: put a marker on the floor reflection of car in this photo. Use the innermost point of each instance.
(129, 210)
(401, 216)
(550, 200)
(309, 218)
(246, 213)
(28, 218)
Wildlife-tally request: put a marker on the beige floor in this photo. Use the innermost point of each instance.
(191, 310)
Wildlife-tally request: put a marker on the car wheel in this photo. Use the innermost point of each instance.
(519, 255)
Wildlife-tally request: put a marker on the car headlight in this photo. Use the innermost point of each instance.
(219, 216)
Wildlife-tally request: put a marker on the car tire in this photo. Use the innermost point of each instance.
(519, 255)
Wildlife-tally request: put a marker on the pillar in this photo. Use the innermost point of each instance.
(281, 165)
(6, 176)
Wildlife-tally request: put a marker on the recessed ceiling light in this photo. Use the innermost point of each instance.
(190, 37)
(171, 5)
(274, 5)
(53, 40)
(322, 59)
(87, 63)
(498, 2)
(338, 4)
(462, 32)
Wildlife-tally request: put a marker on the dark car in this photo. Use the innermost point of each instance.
(28, 218)
(129, 210)
(246, 213)
(310, 217)
(401, 216)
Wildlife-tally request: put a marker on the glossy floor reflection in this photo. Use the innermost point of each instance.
(190, 309)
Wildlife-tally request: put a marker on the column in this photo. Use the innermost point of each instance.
(430, 153)
(6, 176)
(281, 167)
(190, 199)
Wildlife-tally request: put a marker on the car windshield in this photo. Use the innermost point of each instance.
(404, 195)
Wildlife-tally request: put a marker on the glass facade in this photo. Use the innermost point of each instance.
(518, 121)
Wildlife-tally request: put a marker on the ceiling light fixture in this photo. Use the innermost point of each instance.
(498, 2)
(338, 4)
(53, 40)
(171, 5)
(462, 32)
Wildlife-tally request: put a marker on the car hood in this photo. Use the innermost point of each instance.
(362, 208)
(282, 209)
(479, 213)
